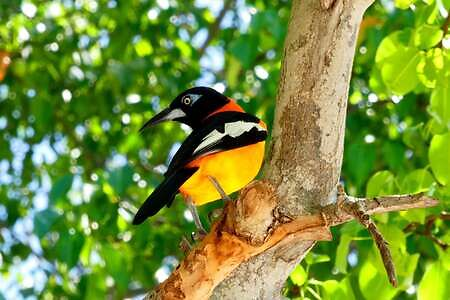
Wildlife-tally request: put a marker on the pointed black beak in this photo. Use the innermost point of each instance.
(165, 115)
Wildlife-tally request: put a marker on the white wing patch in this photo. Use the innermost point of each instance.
(233, 129)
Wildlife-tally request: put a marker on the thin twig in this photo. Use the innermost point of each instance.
(214, 29)
(427, 232)
(386, 256)
(359, 211)
(378, 205)
(185, 245)
(360, 214)
(445, 29)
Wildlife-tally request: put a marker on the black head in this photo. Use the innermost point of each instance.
(190, 107)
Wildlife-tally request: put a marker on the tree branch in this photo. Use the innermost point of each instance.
(223, 249)
(214, 29)
(359, 211)
(427, 232)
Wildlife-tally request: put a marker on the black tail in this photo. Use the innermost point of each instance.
(163, 194)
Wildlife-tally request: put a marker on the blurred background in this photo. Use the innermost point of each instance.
(79, 77)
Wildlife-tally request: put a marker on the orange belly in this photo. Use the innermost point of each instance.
(233, 169)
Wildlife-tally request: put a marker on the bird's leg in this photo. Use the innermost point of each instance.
(185, 245)
(201, 232)
(215, 214)
(219, 189)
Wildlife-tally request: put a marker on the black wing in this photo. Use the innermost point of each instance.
(162, 195)
(224, 131)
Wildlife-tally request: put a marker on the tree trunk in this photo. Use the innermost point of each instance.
(307, 136)
(267, 231)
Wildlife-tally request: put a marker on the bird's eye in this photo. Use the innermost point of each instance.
(186, 100)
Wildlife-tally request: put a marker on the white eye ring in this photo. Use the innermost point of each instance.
(186, 100)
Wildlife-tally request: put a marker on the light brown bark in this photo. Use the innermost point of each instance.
(308, 132)
(264, 234)
(222, 251)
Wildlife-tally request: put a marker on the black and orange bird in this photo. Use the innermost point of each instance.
(223, 153)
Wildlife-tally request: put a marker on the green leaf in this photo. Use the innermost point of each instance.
(95, 286)
(434, 283)
(372, 279)
(417, 181)
(395, 236)
(360, 160)
(337, 290)
(439, 156)
(245, 49)
(381, 183)
(433, 127)
(143, 47)
(299, 275)
(399, 70)
(376, 83)
(446, 4)
(233, 69)
(392, 43)
(393, 154)
(60, 188)
(85, 253)
(414, 215)
(268, 22)
(440, 104)
(412, 136)
(43, 221)
(132, 142)
(184, 48)
(427, 36)
(314, 258)
(404, 4)
(430, 69)
(121, 178)
(340, 264)
(426, 14)
(68, 248)
(405, 265)
(116, 265)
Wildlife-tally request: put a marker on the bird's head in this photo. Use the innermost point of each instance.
(190, 107)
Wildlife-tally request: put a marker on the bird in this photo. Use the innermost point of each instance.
(222, 154)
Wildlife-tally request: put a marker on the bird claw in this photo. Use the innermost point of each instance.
(199, 235)
(215, 214)
(185, 245)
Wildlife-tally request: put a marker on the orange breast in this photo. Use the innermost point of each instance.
(233, 169)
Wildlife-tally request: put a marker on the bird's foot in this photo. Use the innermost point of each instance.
(198, 235)
(215, 214)
(185, 245)
(219, 189)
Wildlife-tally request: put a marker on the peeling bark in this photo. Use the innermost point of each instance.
(221, 252)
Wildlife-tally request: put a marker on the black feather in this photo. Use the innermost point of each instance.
(217, 122)
(163, 194)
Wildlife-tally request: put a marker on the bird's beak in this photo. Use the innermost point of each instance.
(165, 115)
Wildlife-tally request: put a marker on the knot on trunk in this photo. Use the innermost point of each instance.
(251, 217)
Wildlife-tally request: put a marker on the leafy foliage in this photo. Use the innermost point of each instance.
(78, 78)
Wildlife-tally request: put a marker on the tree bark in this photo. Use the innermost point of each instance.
(267, 231)
(307, 136)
